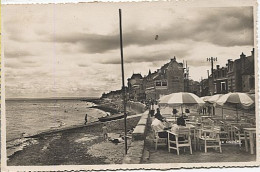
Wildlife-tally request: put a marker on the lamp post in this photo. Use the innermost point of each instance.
(123, 78)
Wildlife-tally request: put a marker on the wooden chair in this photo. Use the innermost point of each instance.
(223, 132)
(210, 138)
(239, 132)
(177, 143)
(158, 140)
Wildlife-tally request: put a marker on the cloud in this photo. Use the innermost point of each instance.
(219, 26)
(16, 53)
(45, 57)
(152, 56)
(83, 65)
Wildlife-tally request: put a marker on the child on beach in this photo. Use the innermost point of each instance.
(105, 131)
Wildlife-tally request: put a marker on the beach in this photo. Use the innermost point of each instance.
(75, 144)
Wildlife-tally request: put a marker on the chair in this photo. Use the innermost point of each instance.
(239, 132)
(177, 143)
(158, 140)
(223, 132)
(210, 138)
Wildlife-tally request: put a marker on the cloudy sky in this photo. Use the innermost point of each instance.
(73, 50)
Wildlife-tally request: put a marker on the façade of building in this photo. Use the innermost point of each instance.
(241, 74)
(135, 87)
(236, 76)
(170, 78)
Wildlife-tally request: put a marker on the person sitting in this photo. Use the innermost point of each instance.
(158, 115)
(181, 121)
(187, 113)
(174, 112)
(174, 129)
(160, 127)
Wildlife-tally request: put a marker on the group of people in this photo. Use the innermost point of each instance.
(161, 125)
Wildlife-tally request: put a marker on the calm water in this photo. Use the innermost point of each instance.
(27, 117)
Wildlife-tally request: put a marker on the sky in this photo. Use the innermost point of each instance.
(73, 50)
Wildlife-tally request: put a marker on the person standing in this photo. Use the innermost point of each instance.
(105, 131)
(86, 119)
(152, 108)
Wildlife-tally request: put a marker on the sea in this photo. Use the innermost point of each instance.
(32, 116)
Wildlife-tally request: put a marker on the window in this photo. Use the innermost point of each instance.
(164, 83)
(215, 86)
(223, 86)
(158, 83)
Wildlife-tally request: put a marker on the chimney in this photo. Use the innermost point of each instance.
(253, 52)
(174, 59)
(242, 55)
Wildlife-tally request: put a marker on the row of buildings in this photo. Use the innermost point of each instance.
(236, 76)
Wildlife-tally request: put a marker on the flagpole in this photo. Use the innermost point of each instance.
(123, 78)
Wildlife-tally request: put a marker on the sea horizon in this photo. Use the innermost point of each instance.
(51, 98)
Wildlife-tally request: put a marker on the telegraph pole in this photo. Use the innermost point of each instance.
(123, 78)
(212, 60)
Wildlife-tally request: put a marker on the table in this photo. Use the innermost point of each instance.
(232, 124)
(250, 131)
(204, 117)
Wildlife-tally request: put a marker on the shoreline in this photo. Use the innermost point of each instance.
(81, 138)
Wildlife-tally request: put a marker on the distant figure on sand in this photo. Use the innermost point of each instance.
(105, 131)
(86, 119)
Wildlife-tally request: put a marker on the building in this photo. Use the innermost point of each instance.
(241, 77)
(168, 79)
(220, 80)
(135, 87)
(236, 76)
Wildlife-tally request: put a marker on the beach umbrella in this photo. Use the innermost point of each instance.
(236, 99)
(213, 99)
(205, 98)
(181, 98)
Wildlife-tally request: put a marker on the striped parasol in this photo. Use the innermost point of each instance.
(205, 98)
(214, 98)
(236, 98)
(181, 98)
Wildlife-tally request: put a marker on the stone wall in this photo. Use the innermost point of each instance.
(136, 149)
